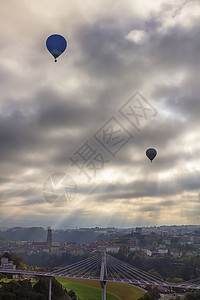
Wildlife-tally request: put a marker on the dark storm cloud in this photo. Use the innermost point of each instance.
(108, 55)
(66, 112)
(18, 135)
(23, 132)
(4, 179)
(178, 48)
(159, 134)
(117, 64)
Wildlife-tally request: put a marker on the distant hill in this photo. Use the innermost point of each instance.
(39, 234)
(24, 234)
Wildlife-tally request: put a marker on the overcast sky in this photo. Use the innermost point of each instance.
(77, 130)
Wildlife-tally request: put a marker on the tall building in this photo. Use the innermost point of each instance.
(49, 236)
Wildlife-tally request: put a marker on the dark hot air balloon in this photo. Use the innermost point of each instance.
(151, 153)
(56, 45)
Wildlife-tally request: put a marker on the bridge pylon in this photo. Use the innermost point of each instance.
(50, 286)
(103, 276)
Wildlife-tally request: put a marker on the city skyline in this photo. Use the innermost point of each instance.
(128, 81)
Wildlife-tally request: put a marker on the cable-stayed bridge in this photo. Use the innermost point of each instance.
(104, 267)
(114, 270)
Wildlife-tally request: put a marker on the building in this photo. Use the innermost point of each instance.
(44, 246)
(147, 251)
(6, 264)
(49, 236)
(112, 249)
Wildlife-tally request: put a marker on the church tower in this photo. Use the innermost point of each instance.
(49, 237)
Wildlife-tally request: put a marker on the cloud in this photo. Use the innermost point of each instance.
(137, 36)
(49, 110)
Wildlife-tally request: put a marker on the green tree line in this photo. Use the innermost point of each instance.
(24, 290)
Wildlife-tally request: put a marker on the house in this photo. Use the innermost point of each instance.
(6, 264)
(147, 251)
(112, 249)
(162, 251)
(175, 253)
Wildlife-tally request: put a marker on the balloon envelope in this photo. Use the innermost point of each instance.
(151, 153)
(56, 45)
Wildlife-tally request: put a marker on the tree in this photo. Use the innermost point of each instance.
(177, 280)
(23, 290)
(42, 286)
(193, 295)
(152, 294)
(7, 295)
(154, 273)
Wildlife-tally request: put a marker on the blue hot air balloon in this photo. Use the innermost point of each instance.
(56, 45)
(151, 153)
